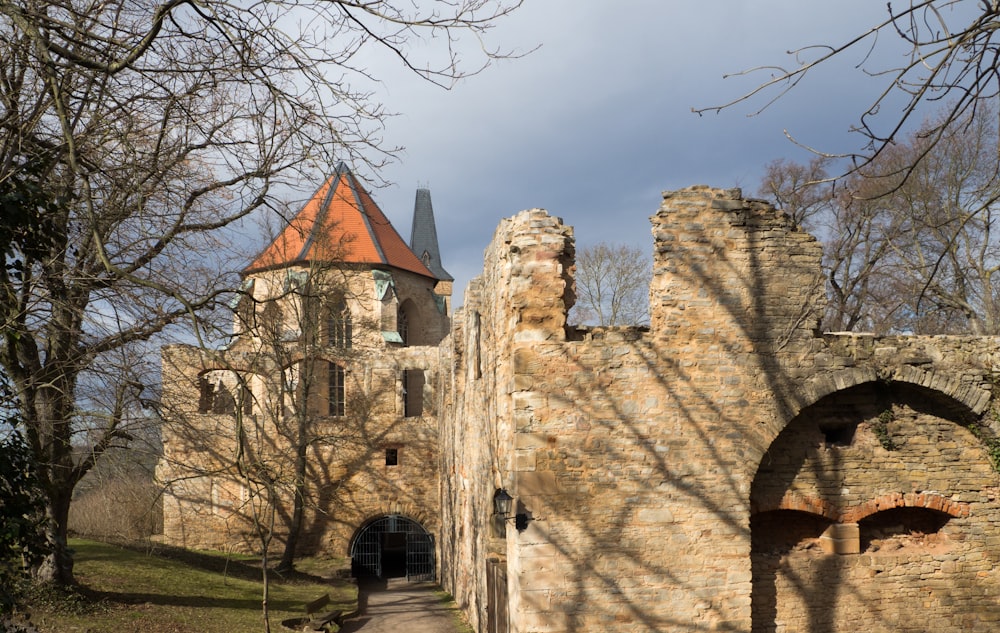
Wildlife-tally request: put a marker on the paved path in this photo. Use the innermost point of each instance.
(399, 606)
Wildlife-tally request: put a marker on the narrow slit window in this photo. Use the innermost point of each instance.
(246, 399)
(403, 326)
(338, 396)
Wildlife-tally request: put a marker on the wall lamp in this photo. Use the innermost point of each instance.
(502, 505)
(502, 502)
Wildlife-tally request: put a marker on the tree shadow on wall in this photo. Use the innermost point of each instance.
(691, 469)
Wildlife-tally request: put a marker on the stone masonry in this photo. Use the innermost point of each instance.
(731, 467)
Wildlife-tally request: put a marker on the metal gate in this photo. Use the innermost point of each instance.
(419, 555)
(393, 546)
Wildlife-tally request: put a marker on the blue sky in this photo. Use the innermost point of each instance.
(597, 122)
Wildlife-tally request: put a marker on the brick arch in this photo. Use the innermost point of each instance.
(406, 509)
(234, 390)
(800, 503)
(928, 500)
(888, 501)
(965, 396)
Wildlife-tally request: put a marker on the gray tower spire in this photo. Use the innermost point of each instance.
(423, 236)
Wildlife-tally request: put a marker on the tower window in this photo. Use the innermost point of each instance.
(339, 329)
(206, 394)
(337, 401)
(392, 457)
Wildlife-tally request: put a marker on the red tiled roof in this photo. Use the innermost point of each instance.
(340, 223)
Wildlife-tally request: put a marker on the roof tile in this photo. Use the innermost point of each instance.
(340, 223)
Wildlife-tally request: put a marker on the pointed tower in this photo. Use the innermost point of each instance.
(340, 227)
(423, 235)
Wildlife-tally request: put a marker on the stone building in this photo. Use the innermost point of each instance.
(730, 467)
(326, 393)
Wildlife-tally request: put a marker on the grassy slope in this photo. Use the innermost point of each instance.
(180, 593)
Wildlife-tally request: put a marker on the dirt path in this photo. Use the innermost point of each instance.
(398, 606)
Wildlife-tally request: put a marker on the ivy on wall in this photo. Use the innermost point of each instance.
(880, 427)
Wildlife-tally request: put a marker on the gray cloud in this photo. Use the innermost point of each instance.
(597, 122)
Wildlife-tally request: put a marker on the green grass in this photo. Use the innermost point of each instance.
(176, 591)
(460, 623)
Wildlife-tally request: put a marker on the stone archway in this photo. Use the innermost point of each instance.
(890, 463)
(393, 546)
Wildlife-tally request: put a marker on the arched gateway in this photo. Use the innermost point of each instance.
(393, 546)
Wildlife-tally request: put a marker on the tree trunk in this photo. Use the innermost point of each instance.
(287, 562)
(52, 445)
(57, 566)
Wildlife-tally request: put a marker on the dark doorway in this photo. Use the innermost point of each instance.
(393, 547)
(393, 554)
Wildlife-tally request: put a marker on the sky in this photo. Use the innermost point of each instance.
(596, 122)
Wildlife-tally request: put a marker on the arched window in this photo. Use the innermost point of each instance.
(403, 325)
(245, 313)
(339, 328)
(221, 391)
(271, 320)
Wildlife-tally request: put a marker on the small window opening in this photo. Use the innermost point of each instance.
(392, 457)
(206, 393)
(841, 435)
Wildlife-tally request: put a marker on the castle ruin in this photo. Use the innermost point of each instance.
(730, 467)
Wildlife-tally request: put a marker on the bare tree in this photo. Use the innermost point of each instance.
(947, 267)
(276, 416)
(855, 225)
(131, 136)
(949, 55)
(909, 240)
(790, 185)
(612, 285)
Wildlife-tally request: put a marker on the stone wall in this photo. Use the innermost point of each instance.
(728, 468)
(483, 404)
(633, 455)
